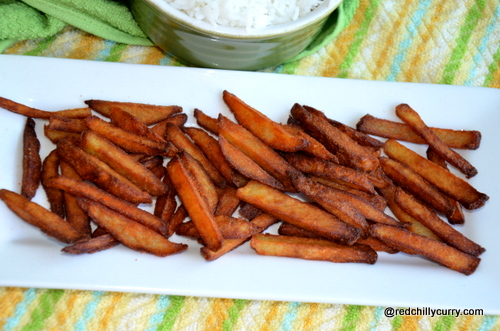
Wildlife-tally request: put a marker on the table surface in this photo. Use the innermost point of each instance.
(453, 42)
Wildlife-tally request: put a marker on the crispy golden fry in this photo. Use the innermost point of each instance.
(376, 200)
(187, 229)
(146, 113)
(447, 182)
(212, 150)
(358, 136)
(93, 193)
(141, 157)
(99, 231)
(177, 218)
(50, 168)
(330, 170)
(457, 216)
(313, 147)
(132, 234)
(155, 165)
(92, 245)
(94, 170)
(297, 212)
(270, 132)
(40, 217)
(228, 202)
(441, 228)
(432, 249)
(341, 145)
(255, 149)
(74, 112)
(130, 142)
(118, 160)
(366, 209)
(378, 178)
(200, 177)
(43, 114)
(177, 120)
(411, 181)
(246, 166)
(415, 226)
(196, 206)
(248, 211)
(235, 227)
(311, 249)
(460, 139)
(75, 215)
(165, 204)
(180, 140)
(206, 122)
(131, 123)
(159, 171)
(413, 119)
(56, 135)
(262, 222)
(75, 125)
(369, 211)
(150, 161)
(377, 245)
(32, 162)
(286, 229)
(327, 198)
(230, 227)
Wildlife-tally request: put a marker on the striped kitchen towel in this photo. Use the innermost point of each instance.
(426, 41)
(42, 309)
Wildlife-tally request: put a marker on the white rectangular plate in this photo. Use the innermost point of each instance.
(30, 259)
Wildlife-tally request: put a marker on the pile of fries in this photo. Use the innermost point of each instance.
(226, 181)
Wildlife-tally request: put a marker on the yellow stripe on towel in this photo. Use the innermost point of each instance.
(12, 295)
(337, 51)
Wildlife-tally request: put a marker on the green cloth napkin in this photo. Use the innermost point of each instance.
(19, 21)
(333, 26)
(31, 19)
(112, 20)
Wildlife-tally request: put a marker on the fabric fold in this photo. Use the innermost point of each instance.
(107, 19)
(34, 19)
(20, 21)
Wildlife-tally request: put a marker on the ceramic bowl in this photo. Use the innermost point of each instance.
(202, 44)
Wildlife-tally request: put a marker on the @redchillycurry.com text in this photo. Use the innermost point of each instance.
(428, 311)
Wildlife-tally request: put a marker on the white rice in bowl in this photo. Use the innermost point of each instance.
(249, 14)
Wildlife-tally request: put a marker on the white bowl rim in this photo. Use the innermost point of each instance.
(319, 13)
